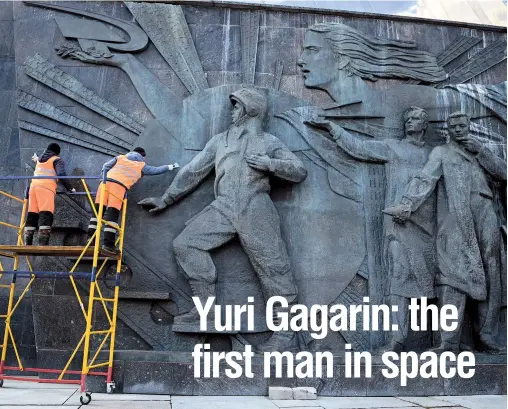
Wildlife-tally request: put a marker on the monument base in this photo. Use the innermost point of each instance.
(173, 373)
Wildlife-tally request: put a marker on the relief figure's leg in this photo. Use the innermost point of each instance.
(208, 231)
(262, 240)
(488, 234)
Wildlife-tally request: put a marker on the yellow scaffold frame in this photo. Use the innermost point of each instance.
(95, 296)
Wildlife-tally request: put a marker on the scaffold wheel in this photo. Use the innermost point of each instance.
(85, 400)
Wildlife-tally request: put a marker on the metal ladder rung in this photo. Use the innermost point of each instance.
(98, 365)
(104, 299)
(108, 224)
(106, 331)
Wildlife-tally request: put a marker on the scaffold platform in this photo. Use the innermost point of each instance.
(65, 251)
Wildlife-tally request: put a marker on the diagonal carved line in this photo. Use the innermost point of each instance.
(45, 72)
(28, 126)
(456, 48)
(121, 315)
(41, 107)
(480, 62)
(133, 253)
(358, 339)
(278, 74)
(166, 26)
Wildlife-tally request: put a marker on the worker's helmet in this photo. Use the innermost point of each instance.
(254, 102)
(54, 147)
(140, 150)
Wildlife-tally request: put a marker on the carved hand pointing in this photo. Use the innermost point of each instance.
(323, 124)
(320, 124)
(155, 203)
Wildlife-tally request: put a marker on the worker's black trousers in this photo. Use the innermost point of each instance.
(111, 216)
(42, 219)
(112, 227)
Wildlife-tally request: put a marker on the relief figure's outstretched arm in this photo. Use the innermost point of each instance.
(361, 149)
(188, 179)
(163, 103)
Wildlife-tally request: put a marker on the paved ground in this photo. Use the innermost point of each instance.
(19, 395)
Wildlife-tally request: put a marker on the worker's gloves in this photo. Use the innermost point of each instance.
(35, 158)
(173, 166)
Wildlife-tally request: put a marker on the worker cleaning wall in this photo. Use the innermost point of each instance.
(41, 198)
(122, 172)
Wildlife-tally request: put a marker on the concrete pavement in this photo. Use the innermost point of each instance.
(22, 395)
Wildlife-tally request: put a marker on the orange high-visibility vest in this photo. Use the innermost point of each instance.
(46, 169)
(126, 171)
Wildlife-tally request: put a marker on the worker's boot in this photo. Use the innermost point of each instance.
(44, 235)
(203, 290)
(45, 223)
(109, 247)
(28, 236)
(280, 341)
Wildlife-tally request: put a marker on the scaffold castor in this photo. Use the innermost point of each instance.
(86, 399)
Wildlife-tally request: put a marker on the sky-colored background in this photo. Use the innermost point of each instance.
(472, 11)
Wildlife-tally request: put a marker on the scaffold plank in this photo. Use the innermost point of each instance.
(47, 250)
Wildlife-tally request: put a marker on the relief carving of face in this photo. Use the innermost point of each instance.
(458, 127)
(237, 111)
(415, 122)
(318, 63)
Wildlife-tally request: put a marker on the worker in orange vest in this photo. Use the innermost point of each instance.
(122, 172)
(41, 196)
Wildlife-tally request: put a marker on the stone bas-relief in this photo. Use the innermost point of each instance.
(332, 240)
(468, 241)
(243, 158)
(408, 254)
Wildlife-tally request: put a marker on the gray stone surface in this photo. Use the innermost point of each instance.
(280, 393)
(331, 224)
(46, 396)
(11, 398)
(434, 402)
(304, 393)
(22, 323)
(476, 402)
(480, 280)
(362, 403)
(296, 404)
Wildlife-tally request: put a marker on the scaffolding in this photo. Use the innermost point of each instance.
(90, 365)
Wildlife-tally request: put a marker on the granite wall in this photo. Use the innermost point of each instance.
(22, 323)
(233, 45)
